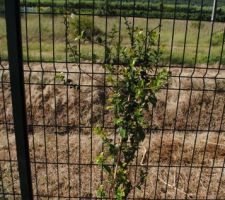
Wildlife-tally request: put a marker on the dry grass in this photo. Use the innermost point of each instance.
(75, 144)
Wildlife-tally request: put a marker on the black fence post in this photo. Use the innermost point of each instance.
(13, 24)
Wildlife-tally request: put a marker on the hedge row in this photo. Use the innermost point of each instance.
(141, 9)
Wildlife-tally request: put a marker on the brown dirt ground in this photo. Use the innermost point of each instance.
(200, 150)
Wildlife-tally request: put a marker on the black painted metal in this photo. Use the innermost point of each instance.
(12, 13)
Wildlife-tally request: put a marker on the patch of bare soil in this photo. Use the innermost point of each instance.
(184, 149)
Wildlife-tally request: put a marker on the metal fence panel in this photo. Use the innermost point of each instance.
(184, 148)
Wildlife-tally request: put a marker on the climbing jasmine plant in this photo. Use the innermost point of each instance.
(134, 92)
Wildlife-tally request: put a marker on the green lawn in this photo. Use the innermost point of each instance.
(44, 33)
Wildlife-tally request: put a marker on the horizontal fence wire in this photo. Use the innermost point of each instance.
(185, 143)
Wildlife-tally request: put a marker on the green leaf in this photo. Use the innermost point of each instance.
(120, 193)
(123, 133)
(112, 149)
(159, 80)
(100, 132)
(107, 168)
(109, 108)
(100, 158)
(119, 121)
(82, 34)
(60, 76)
(101, 192)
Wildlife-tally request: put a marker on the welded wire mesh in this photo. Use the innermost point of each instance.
(9, 176)
(185, 147)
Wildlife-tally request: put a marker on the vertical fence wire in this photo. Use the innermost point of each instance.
(219, 134)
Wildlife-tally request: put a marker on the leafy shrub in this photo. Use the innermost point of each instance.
(141, 9)
(83, 25)
(132, 93)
